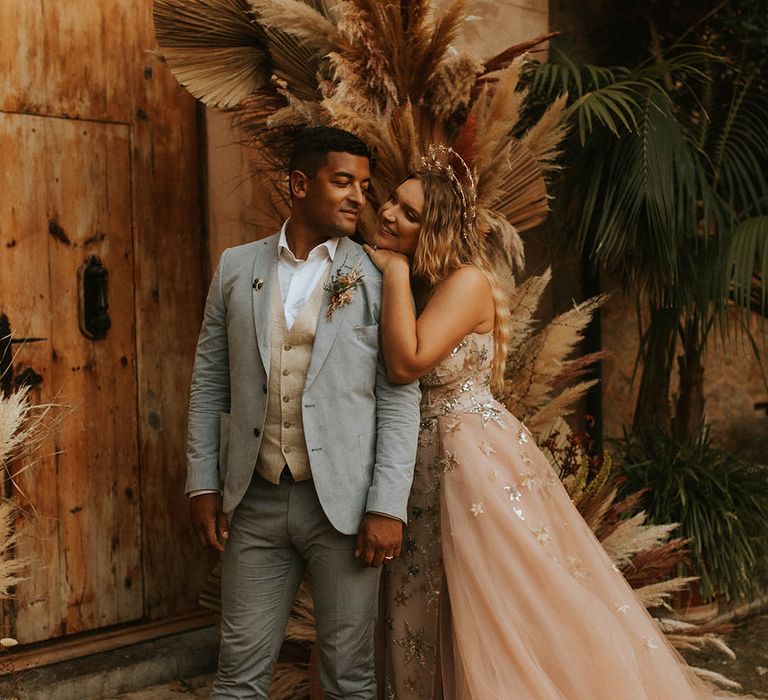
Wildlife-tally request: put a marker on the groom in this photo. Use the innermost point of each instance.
(300, 453)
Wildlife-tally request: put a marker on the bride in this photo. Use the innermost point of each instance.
(502, 590)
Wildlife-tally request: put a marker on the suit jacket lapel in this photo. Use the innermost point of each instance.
(328, 329)
(264, 280)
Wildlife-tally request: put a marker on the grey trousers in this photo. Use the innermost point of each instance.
(275, 534)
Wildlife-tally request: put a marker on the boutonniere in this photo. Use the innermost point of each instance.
(341, 286)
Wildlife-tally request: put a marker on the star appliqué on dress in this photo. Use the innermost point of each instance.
(486, 448)
(542, 535)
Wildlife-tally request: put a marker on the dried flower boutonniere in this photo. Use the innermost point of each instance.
(341, 286)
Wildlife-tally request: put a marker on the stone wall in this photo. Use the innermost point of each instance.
(734, 382)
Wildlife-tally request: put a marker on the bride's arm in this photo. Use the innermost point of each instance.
(459, 305)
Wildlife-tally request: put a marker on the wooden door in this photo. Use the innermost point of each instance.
(65, 198)
(99, 155)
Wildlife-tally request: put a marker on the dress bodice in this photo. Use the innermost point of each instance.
(461, 383)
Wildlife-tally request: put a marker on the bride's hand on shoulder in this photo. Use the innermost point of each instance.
(387, 260)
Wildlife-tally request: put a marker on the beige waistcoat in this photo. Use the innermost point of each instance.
(290, 353)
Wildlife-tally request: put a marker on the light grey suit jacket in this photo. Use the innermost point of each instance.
(360, 430)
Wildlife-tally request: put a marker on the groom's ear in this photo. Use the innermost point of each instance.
(299, 184)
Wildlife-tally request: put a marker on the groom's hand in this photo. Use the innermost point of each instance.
(379, 538)
(210, 523)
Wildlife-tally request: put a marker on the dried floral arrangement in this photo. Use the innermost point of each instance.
(23, 429)
(390, 73)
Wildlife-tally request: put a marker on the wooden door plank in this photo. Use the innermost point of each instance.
(171, 273)
(89, 201)
(76, 58)
(24, 293)
(22, 63)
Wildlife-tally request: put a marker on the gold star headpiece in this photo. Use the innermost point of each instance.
(438, 159)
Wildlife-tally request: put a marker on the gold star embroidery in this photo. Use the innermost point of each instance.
(522, 438)
(542, 535)
(401, 597)
(477, 509)
(622, 609)
(414, 646)
(512, 492)
(448, 462)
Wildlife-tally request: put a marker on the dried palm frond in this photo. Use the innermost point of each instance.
(561, 336)
(290, 681)
(504, 238)
(24, 427)
(561, 404)
(655, 595)
(213, 48)
(632, 536)
(311, 28)
(370, 34)
(695, 637)
(15, 430)
(510, 177)
(11, 568)
(424, 59)
(578, 367)
(536, 362)
(503, 59)
(496, 112)
(522, 307)
(545, 136)
(452, 84)
(717, 679)
(654, 564)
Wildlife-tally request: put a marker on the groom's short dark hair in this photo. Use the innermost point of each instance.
(313, 144)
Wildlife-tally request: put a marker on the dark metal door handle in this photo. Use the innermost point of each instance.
(94, 304)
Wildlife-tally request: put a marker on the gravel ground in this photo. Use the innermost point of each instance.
(750, 668)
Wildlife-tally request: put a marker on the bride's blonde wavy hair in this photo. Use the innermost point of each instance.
(444, 245)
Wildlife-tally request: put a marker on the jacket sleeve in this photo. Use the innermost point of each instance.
(209, 393)
(397, 431)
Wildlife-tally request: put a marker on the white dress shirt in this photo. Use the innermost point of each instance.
(298, 279)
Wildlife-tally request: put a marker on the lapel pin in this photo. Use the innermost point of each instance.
(258, 283)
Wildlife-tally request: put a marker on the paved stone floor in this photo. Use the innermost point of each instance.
(750, 668)
(197, 687)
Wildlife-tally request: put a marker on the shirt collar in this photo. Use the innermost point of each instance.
(283, 249)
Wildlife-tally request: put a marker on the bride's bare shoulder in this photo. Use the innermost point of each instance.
(467, 279)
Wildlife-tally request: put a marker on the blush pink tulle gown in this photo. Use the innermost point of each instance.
(502, 590)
